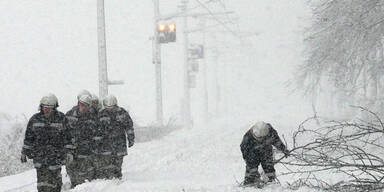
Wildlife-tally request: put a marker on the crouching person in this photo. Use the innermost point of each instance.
(256, 148)
(116, 127)
(45, 141)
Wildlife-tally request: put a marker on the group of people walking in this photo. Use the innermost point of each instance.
(90, 140)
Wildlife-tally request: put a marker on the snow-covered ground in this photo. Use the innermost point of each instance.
(205, 158)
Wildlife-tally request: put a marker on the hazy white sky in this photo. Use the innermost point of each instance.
(51, 46)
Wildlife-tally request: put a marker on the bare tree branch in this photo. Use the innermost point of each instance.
(351, 149)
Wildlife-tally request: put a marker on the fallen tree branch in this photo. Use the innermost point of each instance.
(352, 150)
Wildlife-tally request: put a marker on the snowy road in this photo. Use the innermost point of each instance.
(206, 158)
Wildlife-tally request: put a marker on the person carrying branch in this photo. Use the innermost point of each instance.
(256, 149)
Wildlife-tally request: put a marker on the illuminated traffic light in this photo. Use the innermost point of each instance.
(167, 33)
(172, 27)
(171, 35)
(161, 27)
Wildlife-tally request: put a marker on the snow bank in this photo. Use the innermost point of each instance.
(205, 158)
(11, 135)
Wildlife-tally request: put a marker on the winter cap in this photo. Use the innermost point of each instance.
(85, 99)
(109, 101)
(260, 129)
(49, 100)
(83, 92)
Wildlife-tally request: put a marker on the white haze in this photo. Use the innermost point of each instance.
(51, 46)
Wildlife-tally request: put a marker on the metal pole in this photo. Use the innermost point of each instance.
(187, 97)
(216, 76)
(103, 73)
(157, 61)
(205, 68)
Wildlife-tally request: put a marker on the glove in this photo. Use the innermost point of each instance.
(68, 158)
(23, 158)
(287, 153)
(130, 143)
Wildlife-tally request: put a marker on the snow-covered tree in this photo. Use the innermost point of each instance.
(12, 131)
(345, 52)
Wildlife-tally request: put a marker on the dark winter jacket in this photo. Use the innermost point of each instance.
(96, 109)
(46, 138)
(83, 129)
(253, 150)
(116, 126)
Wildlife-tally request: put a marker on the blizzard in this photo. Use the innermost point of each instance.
(206, 157)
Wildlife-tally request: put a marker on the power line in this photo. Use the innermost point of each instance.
(218, 20)
(193, 8)
(231, 20)
(225, 9)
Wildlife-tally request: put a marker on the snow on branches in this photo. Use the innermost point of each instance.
(351, 151)
(344, 54)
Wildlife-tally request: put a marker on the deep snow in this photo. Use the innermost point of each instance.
(205, 158)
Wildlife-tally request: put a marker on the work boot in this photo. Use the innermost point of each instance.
(271, 179)
(253, 182)
(248, 181)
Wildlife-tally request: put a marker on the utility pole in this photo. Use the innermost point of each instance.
(156, 54)
(187, 72)
(187, 95)
(216, 76)
(205, 69)
(103, 73)
(102, 48)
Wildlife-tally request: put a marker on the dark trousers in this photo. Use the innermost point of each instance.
(49, 179)
(80, 170)
(103, 166)
(252, 174)
(118, 163)
(108, 166)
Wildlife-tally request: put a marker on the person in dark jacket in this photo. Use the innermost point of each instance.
(96, 105)
(45, 142)
(83, 128)
(256, 148)
(116, 126)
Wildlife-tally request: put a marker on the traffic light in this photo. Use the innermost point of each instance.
(161, 28)
(196, 51)
(171, 33)
(167, 33)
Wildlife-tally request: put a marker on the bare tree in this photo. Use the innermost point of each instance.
(345, 51)
(353, 150)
